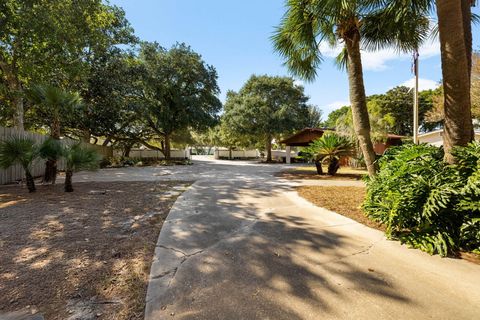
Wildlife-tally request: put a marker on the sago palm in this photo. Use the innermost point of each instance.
(22, 151)
(78, 157)
(329, 149)
(373, 24)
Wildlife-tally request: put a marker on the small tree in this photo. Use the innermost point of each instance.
(78, 157)
(51, 150)
(53, 108)
(22, 151)
(329, 149)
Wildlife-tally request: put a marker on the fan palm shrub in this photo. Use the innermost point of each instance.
(51, 150)
(328, 150)
(53, 106)
(22, 151)
(78, 157)
(425, 202)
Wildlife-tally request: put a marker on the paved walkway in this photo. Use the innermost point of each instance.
(240, 244)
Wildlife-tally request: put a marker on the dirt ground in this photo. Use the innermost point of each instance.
(346, 201)
(310, 173)
(81, 255)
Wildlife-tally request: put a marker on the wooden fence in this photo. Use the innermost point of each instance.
(15, 173)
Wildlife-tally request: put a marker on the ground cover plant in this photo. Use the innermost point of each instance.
(425, 202)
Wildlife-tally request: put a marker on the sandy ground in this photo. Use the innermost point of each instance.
(82, 255)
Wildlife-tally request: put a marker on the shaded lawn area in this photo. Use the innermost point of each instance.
(81, 255)
(346, 201)
(310, 173)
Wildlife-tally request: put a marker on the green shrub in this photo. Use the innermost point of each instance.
(426, 203)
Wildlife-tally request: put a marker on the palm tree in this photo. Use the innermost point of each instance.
(374, 24)
(53, 105)
(78, 157)
(329, 149)
(454, 26)
(51, 150)
(22, 151)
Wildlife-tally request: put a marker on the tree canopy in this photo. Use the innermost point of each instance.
(267, 107)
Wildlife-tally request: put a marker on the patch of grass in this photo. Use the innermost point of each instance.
(346, 201)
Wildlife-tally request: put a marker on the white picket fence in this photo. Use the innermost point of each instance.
(155, 154)
(15, 173)
(236, 154)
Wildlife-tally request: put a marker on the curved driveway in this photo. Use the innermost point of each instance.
(240, 244)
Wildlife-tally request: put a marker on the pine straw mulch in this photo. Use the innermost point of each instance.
(310, 173)
(81, 255)
(347, 201)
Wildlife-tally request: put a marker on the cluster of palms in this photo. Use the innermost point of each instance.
(24, 152)
(376, 24)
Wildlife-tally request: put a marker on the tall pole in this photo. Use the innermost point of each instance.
(415, 98)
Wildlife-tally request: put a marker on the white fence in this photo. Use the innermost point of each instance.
(155, 154)
(15, 173)
(236, 154)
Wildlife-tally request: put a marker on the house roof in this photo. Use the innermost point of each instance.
(304, 137)
(440, 131)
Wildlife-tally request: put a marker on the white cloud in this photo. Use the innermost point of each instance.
(423, 84)
(338, 104)
(378, 60)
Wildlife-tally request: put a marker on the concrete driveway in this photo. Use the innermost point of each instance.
(240, 244)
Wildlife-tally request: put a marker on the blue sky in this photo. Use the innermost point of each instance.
(234, 37)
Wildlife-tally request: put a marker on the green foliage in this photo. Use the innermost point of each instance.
(79, 157)
(17, 150)
(53, 107)
(426, 203)
(51, 149)
(264, 108)
(329, 149)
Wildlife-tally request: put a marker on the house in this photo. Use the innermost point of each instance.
(436, 137)
(391, 141)
(302, 138)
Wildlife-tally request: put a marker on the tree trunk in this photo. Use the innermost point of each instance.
(167, 147)
(361, 121)
(55, 129)
(318, 165)
(19, 111)
(230, 153)
(50, 174)
(15, 89)
(68, 181)
(456, 50)
(268, 146)
(126, 150)
(30, 181)
(86, 136)
(333, 166)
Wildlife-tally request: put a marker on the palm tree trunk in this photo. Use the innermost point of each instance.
(456, 50)
(50, 171)
(30, 181)
(68, 181)
(333, 166)
(361, 121)
(318, 165)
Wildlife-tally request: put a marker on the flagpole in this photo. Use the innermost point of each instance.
(415, 98)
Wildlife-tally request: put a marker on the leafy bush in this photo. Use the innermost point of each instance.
(426, 203)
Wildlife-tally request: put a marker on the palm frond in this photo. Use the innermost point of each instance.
(18, 150)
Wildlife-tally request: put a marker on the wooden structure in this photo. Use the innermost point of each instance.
(302, 138)
(391, 141)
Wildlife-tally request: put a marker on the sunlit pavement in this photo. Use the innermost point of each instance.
(240, 244)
